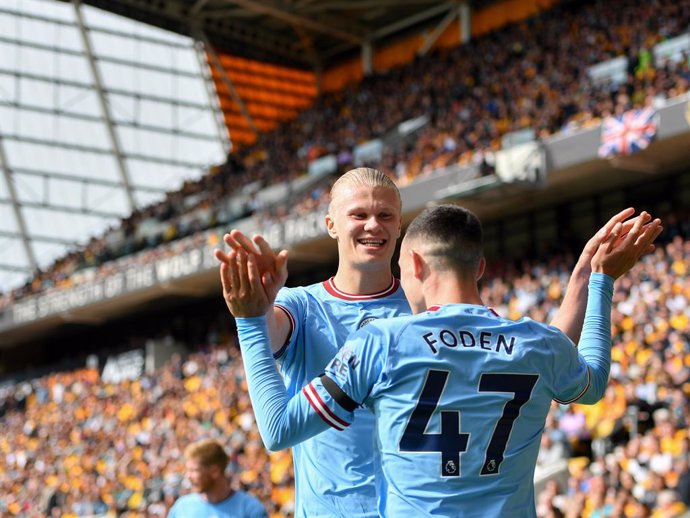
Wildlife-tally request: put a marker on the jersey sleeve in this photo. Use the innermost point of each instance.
(290, 301)
(353, 374)
(594, 348)
(571, 375)
(282, 421)
(595, 343)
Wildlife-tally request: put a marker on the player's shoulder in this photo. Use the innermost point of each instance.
(537, 326)
(249, 502)
(185, 502)
(294, 290)
(388, 326)
(190, 497)
(243, 496)
(293, 297)
(541, 330)
(310, 291)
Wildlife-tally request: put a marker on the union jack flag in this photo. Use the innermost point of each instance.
(628, 133)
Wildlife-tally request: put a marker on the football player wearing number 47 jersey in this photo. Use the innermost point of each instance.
(460, 394)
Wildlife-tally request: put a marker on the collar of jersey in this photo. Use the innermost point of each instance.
(436, 307)
(331, 288)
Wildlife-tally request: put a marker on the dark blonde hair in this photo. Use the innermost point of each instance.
(362, 176)
(452, 236)
(208, 452)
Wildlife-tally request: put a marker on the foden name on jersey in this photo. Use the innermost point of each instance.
(464, 339)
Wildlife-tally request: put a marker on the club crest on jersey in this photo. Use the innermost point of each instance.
(366, 321)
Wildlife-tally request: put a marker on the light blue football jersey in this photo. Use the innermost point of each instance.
(239, 505)
(334, 472)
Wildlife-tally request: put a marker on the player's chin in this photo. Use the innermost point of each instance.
(374, 260)
(376, 256)
(376, 251)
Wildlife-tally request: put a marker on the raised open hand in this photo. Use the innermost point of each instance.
(271, 267)
(243, 290)
(624, 246)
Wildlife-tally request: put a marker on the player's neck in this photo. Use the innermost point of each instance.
(221, 491)
(451, 291)
(359, 282)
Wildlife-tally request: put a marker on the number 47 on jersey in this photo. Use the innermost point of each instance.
(450, 442)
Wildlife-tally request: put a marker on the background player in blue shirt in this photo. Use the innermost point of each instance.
(334, 472)
(460, 394)
(213, 497)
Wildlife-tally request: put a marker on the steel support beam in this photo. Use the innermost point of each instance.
(307, 23)
(66, 209)
(44, 239)
(58, 112)
(16, 208)
(104, 59)
(367, 58)
(104, 151)
(14, 268)
(177, 18)
(114, 91)
(82, 179)
(197, 7)
(102, 30)
(412, 20)
(105, 109)
(235, 13)
(434, 35)
(359, 5)
(465, 15)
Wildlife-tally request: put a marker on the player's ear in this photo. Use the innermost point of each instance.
(418, 264)
(482, 267)
(330, 227)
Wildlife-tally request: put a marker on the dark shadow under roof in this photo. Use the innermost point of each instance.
(302, 33)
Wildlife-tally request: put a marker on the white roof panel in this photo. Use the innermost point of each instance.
(55, 134)
(8, 222)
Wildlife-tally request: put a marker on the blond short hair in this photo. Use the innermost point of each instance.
(208, 452)
(362, 176)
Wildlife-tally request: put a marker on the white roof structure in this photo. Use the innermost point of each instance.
(99, 115)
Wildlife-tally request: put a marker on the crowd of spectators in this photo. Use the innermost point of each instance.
(531, 74)
(73, 445)
(628, 455)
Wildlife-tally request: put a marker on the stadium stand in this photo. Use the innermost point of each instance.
(491, 79)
